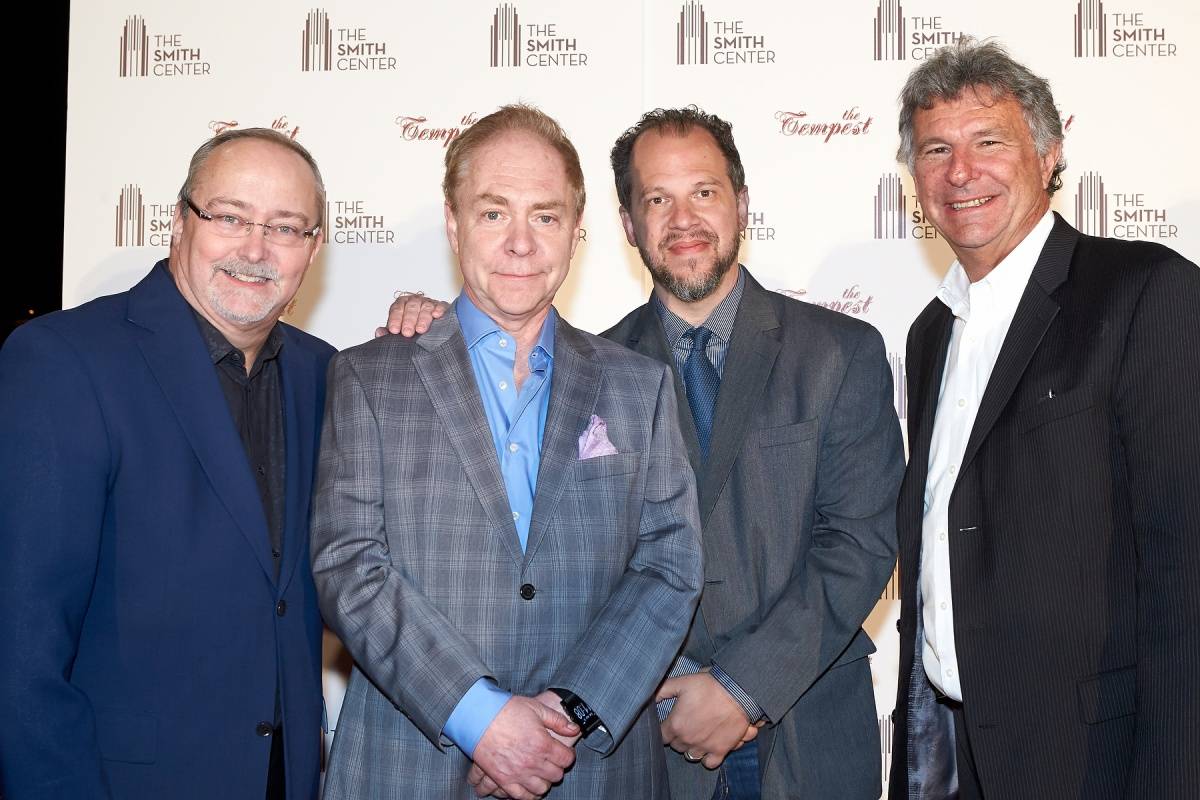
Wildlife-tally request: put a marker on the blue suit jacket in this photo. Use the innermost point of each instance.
(142, 627)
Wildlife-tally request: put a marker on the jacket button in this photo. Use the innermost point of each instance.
(263, 729)
(281, 607)
(527, 591)
(897, 624)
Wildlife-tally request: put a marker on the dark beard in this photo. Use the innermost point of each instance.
(694, 289)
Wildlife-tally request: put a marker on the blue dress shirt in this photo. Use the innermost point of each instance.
(517, 421)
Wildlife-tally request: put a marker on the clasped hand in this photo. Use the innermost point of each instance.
(525, 750)
(706, 723)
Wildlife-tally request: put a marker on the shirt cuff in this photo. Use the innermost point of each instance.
(753, 710)
(474, 713)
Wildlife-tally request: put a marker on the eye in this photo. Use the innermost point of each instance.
(545, 219)
(706, 193)
(491, 216)
(229, 220)
(655, 201)
(286, 230)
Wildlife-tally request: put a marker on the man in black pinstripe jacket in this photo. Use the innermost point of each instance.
(1049, 520)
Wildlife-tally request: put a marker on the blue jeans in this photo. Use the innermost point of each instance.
(737, 777)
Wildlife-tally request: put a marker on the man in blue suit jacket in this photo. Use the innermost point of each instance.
(159, 623)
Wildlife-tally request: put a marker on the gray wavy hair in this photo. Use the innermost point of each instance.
(970, 63)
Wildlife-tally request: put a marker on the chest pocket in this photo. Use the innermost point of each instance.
(1049, 409)
(788, 434)
(609, 466)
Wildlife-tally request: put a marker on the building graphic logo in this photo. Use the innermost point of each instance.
(889, 31)
(885, 744)
(891, 208)
(892, 590)
(691, 34)
(130, 229)
(1090, 29)
(316, 42)
(506, 37)
(899, 385)
(1091, 205)
(135, 49)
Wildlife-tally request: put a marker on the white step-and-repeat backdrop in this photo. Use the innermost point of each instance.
(376, 90)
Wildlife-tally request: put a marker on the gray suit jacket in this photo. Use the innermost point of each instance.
(797, 502)
(421, 574)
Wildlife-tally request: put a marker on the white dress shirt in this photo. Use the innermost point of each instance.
(982, 313)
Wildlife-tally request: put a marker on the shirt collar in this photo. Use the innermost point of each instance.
(219, 347)
(476, 326)
(720, 321)
(1005, 284)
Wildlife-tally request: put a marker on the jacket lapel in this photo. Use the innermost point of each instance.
(1033, 316)
(574, 389)
(299, 378)
(444, 367)
(176, 355)
(649, 339)
(932, 337)
(752, 353)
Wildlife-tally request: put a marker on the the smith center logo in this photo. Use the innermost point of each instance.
(900, 35)
(352, 222)
(1101, 32)
(161, 55)
(757, 229)
(1121, 215)
(138, 223)
(897, 213)
(700, 39)
(325, 48)
(516, 41)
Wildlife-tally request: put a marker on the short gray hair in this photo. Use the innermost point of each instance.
(262, 134)
(969, 64)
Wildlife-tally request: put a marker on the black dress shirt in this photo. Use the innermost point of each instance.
(255, 403)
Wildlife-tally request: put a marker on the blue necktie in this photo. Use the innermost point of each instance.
(702, 382)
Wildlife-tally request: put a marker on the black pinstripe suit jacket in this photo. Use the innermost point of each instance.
(1075, 537)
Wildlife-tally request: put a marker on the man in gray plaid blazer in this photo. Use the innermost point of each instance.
(505, 531)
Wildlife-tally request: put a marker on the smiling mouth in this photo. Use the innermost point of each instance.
(245, 278)
(976, 203)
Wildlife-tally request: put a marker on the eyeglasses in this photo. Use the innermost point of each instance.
(231, 226)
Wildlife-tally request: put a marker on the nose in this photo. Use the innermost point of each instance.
(961, 168)
(683, 216)
(520, 238)
(253, 246)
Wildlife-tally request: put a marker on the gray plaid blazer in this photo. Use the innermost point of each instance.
(420, 572)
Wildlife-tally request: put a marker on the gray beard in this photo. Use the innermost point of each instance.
(694, 289)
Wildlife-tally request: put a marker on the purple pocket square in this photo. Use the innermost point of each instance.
(594, 441)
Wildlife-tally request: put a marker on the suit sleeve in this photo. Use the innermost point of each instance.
(54, 469)
(624, 653)
(853, 544)
(409, 649)
(1157, 404)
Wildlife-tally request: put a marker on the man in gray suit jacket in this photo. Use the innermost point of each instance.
(505, 532)
(798, 462)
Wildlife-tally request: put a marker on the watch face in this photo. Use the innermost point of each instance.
(582, 712)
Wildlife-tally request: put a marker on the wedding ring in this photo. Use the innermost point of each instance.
(692, 758)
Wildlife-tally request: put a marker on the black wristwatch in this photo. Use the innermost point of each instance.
(579, 712)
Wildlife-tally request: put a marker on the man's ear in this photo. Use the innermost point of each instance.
(627, 224)
(451, 227)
